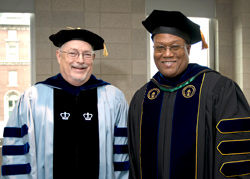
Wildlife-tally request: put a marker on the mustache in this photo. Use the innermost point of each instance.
(79, 66)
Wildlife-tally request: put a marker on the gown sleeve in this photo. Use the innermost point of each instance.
(19, 154)
(231, 131)
(134, 117)
(121, 157)
(131, 141)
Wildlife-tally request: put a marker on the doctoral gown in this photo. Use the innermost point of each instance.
(194, 126)
(57, 130)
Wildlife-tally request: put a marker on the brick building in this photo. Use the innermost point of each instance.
(14, 61)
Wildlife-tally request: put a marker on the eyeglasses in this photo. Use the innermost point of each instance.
(76, 54)
(172, 48)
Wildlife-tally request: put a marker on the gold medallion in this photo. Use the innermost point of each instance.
(153, 93)
(188, 91)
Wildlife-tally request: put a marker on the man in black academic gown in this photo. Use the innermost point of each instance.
(188, 121)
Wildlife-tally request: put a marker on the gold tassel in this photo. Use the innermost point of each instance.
(105, 51)
(73, 28)
(204, 44)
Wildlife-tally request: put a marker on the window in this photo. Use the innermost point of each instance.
(23, 63)
(196, 54)
(12, 51)
(12, 46)
(12, 103)
(15, 56)
(12, 98)
(12, 78)
(12, 34)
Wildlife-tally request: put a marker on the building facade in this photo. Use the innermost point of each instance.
(14, 61)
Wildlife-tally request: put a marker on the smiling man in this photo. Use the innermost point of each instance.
(71, 125)
(188, 121)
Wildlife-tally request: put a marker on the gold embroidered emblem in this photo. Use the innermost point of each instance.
(153, 93)
(188, 91)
